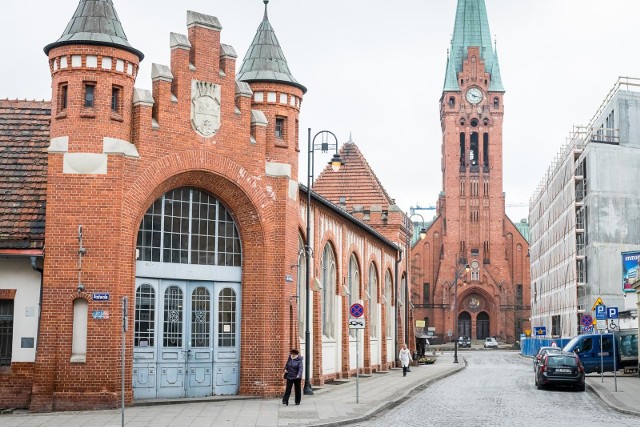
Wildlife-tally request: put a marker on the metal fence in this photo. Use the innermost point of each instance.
(530, 346)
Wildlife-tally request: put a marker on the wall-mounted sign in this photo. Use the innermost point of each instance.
(288, 278)
(100, 296)
(630, 266)
(100, 314)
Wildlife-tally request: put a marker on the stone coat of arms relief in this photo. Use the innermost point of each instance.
(205, 108)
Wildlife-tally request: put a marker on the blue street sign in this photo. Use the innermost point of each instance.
(541, 330)
(100, 296)
(612, 313)
(357, 310)
(586, 320)
(601, 312)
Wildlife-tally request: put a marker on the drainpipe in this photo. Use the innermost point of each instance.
(34, 265)
(397, 310)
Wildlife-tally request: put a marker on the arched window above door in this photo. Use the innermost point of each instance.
(189, 226)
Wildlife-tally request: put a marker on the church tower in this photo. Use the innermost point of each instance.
(471, 227)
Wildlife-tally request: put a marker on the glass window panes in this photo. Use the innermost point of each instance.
(227, 318)
(6, 331)
(173, 312)
(188, 226)
(145, 314)
(200, 318)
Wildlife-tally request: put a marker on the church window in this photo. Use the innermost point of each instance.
(496, 102)
(473, 152)
(354, 285)
(485, 149)
(327, 296)
(519, 297)
(280, 127)
(6, 331)
(474, 123)
(462, 148)
(373, 301)
(452, 102)
(425, 293)
(89, 95)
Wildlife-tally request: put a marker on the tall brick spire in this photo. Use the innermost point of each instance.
(95, 22)
(471, 29)
(265, 61)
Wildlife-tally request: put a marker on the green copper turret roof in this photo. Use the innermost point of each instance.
(265, 61)
(95, 22)
(472, 29)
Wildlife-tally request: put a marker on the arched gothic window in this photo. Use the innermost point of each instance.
(388, 287)
(354, 285)
(328, 272)
(373, 301)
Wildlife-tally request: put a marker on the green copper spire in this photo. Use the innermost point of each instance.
(265, 61)
(95, 22)
(472, 29)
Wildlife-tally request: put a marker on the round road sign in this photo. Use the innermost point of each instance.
(356, 310)
(587, 320)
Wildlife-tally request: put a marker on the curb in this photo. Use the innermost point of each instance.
(392, 404)
(606, 401)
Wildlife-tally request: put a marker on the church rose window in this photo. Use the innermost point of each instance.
(188, 226)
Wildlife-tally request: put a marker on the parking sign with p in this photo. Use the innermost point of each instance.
(601, 312)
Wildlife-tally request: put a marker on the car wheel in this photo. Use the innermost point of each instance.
(581, 387)
(540, 386)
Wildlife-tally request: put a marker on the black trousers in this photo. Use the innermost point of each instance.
(287, 392)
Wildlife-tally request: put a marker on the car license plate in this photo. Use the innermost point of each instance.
(563, 371)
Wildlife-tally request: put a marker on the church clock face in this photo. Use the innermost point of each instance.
(474, 95)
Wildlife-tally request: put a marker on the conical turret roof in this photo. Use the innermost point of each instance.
(472, 29)
(95, 22)
(265, 61)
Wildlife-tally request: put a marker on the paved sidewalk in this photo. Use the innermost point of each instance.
(625, 400)
(333, 405)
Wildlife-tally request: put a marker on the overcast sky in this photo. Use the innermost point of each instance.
(376, 68)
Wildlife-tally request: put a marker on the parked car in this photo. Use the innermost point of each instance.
(464, 342)
(542, 351)
(563, 368)
(490, 343)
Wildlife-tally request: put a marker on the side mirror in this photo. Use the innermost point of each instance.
(576, 351)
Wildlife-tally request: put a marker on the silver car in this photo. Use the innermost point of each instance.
(490, 343)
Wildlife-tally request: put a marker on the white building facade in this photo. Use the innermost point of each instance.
(584, 215)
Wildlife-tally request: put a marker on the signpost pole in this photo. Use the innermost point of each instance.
(124, 330)
(357, 366)
(615, 362)
(601, 360)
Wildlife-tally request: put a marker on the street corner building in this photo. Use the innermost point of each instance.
(183, 202)
(470, 274)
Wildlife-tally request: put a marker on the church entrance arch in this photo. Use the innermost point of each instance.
(482, 325)
(464, 324)
(187, 298)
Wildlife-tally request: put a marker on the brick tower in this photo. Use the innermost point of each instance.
(472, 227)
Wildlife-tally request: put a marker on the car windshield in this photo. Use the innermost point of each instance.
(561, 361)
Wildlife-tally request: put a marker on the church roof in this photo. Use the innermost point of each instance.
(355, 180)
(265, 61)
(471, 29)
(95, 22)
(24, 138)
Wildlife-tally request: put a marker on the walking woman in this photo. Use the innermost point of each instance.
(405, 359)
(293, 375)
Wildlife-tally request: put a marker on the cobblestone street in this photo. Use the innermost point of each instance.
(497, 389)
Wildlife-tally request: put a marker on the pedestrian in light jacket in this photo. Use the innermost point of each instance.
(293, 374)
(405, 359)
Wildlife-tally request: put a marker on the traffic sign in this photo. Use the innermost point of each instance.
(541, 330)
(601, 324)
(597, 303)
(356, 323)
(356, 310)
(586, 320)
(612, 313)
(601, 312)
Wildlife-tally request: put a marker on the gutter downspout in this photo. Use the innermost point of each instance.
(397, 310)
(34, 265)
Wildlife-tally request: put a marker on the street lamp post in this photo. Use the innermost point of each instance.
(466, 269)
(336, 162)
(423, 234)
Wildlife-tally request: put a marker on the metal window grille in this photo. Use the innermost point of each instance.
(227, 322)
(6, 331)
(173, 315)
(200, 317)
(145, 314)
(187, 226)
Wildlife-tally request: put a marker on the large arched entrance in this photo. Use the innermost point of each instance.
(482, 326)
(464, 324)
(187, 298)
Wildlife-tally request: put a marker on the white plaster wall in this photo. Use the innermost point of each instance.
(16, 273)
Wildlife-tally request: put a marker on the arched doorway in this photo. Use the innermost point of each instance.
(464, 324)
(187, 298)
(482, 326)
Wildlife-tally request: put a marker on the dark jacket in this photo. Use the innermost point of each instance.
(294, 368)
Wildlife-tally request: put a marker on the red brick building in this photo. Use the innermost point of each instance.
(471, 227)
(184, 201)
